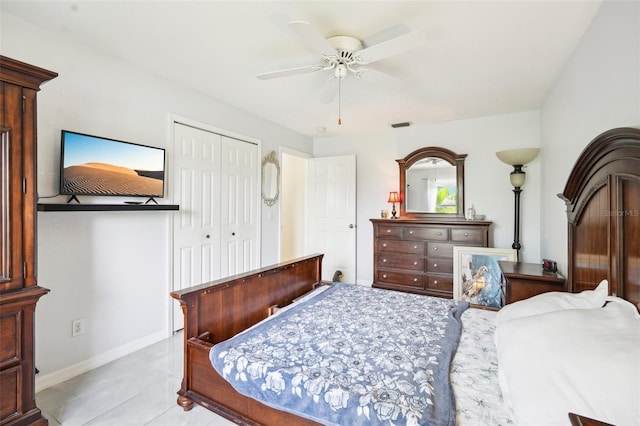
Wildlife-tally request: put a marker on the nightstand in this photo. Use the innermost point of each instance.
(523, 280)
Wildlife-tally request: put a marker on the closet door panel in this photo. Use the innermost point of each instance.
(240, 212)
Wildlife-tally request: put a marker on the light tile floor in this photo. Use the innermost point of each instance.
(139, 389)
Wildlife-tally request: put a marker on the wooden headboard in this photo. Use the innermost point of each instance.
(603, 209)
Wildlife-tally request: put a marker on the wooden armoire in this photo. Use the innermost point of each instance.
(19, 290)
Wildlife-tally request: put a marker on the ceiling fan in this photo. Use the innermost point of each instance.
(347, 56)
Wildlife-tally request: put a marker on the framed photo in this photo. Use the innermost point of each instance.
(477, 277)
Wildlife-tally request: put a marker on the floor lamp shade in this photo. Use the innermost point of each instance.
(514, 157)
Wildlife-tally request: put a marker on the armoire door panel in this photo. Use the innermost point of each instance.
(13, 250)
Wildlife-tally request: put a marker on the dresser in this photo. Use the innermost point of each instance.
(416, 255)
(19, 290)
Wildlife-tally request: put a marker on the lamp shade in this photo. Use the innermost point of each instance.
(515, 157)
(394, 197)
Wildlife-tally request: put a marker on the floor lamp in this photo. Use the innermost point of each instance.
(517, 158)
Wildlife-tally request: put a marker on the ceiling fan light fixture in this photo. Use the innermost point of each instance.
(341, 71)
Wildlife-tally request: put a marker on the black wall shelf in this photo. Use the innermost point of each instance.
(51, 207)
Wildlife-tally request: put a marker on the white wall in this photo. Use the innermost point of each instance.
(111, 268)
(487, 185)
(598, 90)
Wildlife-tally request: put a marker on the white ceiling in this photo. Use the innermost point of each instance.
(480, 57)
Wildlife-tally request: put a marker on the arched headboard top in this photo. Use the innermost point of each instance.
(611, 146)
(602, 195)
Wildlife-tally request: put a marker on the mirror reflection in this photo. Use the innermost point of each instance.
(431, 186)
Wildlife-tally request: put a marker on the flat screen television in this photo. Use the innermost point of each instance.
(93, 165)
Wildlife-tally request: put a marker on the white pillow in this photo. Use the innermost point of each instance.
(554, 301)
(585, 361)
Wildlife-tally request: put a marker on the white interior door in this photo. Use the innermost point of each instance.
(331, 213)
(241, 211)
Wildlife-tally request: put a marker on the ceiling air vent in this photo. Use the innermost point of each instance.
(404, 124)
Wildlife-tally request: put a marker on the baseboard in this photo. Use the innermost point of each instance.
(365, 283)
(51, 379)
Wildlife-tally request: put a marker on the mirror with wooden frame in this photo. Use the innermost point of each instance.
(432, 184)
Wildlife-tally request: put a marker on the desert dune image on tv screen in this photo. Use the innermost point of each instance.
(99, 166)
(107, 179)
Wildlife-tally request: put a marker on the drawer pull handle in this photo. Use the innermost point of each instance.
(410, 232)
(415, 263)
(388, 230)
(384, 276)
(384, 245)
(435, 265)
(415, 280)
(435, 282)
(415, 247)
(384, 260)
(440, 233)
(466, 234)
(435, 249)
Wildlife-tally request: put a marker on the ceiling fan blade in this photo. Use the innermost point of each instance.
(380, 78)
(311, 38)
(289, 71)
(392, 47)
(385, 35)
(329, 91)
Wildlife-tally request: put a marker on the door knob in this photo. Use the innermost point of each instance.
(350, 225)
(208, 236)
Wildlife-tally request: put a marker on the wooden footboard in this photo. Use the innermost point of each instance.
(215, 311)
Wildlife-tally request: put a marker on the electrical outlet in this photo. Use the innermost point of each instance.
(77, 327)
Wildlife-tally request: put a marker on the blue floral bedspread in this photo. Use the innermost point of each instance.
(351, 355)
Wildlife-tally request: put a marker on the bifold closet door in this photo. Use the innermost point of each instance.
(216, 229)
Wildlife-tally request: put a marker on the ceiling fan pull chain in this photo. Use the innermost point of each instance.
(339, 101)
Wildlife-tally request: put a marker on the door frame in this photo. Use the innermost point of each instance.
(304, 156)
(172, 119)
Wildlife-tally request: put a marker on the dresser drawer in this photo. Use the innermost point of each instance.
(399, 278)
(398, 246)
(396, 261)
(415, 233)
(440, 265)
(389, 231)
(438, 282)
(471, 236)
(435, 249)
(10, 338)
(11, 401)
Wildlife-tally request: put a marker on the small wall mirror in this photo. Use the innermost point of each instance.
(270, 179)
(432, 183)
